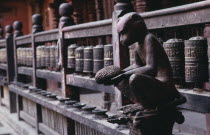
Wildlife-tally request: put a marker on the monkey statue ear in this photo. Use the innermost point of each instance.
(136, 17)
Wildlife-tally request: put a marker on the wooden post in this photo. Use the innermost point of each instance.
(120, 53)
(10, 66)
(17, 25)
(1, 33)
(65, 11)
(37, 27)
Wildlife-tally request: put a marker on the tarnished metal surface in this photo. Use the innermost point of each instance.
(79, 52)
(88, 59)
(23, 40)
(174, 48)
(108, 55)
(196, 59)
(98, 58)
(45, 36)
(71, 56)
(38, 57)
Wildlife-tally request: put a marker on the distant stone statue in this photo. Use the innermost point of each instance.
(148, 82)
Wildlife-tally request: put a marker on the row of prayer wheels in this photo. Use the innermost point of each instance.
(189, 59)
(3, 55)
(24, 57)
(89, 59)
(47, 57)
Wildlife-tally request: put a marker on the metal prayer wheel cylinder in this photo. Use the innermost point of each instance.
(27, 56)
(108, 55)
(174, 48)
(38, 57)
(132, 54)
(42, 56)
(52, 56)
(47, 56)
(88, 59)
(79, 53)
(56, 57)
(71, 56)
(18, 56)
(98, 58)
(30, 57)
(196, 60)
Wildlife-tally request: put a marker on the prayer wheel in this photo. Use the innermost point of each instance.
(79, 53)
(18, 56)
(71, 56)
(42, 56)
(27, 57)
(38, 57)
(56, 57)
(47, 56)
(174, 48)
(98, 58)
(108, 55)
(30, 57)
(52, 56)
(24, 56)
(196, 60)
(88, 59)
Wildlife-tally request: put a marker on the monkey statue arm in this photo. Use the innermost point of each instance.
(138, 63)
(150, 68)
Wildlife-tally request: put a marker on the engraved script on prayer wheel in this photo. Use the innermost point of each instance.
(38, 57)
(79, 52)
(71, 56)
(98, 58)
(42, 56)
(174, 48)
(108, 55)
(52, 56)
(196, 59)
(47, 56)
(88, 59)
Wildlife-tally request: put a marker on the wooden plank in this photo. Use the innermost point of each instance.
(88, 83)
(3, 43)
(98, 28)
(22, 40)
(27, 118)
(195, 13)
(25, 71)
(12, 102)
(49, 75)
(3, 66)
(46, 36)
(46, 130)
(100, 125)
(196, 101)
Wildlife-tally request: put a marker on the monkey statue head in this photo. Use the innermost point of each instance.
(131, 28)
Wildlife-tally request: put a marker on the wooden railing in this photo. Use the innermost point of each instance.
(193, 14)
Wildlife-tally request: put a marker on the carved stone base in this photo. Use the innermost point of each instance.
(148, 122)
(155, 124)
